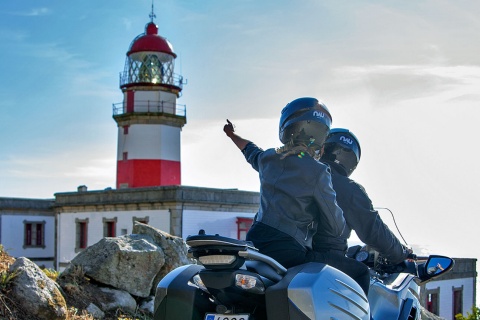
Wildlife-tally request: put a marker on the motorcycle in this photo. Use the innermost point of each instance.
(233, 281)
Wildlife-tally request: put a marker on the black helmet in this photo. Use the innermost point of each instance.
(304, 120)
(342, 148)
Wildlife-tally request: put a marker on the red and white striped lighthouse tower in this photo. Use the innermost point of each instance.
(149, 119)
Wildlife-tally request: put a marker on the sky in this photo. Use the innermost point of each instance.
(404, 76)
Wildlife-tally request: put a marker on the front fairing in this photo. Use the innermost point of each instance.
(395, 297)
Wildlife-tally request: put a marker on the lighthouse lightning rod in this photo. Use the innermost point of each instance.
(152, 14)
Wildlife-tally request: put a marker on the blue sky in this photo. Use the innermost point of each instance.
(404, 76)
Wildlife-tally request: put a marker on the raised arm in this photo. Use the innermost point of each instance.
(229, 130)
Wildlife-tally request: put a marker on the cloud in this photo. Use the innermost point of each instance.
(127, 23)
(399, 83)
(34, 12)
(57, 172)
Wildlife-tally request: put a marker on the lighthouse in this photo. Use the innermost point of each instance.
(149, 119)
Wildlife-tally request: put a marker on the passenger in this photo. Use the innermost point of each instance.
(342, 153)
(296, 195)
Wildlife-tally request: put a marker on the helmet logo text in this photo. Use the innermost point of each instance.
(318, 114)
(346, 140)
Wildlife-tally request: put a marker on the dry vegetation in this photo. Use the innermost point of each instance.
(77, 292)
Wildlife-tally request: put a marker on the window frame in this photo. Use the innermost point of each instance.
(81, 234)
(144, 220)
(457, 308)
(110, 227)
(34, 234)
(243, 225)
(433, 307)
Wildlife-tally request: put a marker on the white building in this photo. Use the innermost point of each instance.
(27, 229)
(85, 217)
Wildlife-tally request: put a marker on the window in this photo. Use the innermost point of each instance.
(457, 301)
(125, 156)
(432, 301)
(125, 129)
(109, 227)
(34, 234)
(243, 225)
(144, 220)
(151, 70)
(81, 234)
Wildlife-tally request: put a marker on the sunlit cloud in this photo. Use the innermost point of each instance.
(57, 173)
(397, 82)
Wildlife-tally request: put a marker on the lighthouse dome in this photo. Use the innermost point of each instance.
(151, 41)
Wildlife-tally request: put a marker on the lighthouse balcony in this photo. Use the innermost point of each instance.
(150, 108)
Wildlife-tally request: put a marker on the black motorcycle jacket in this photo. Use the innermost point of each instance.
(360, 216)
(296, 195)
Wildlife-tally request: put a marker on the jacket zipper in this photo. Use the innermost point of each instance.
(309, 226)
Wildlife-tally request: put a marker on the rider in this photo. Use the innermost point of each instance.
(342, 153)
(296, 195)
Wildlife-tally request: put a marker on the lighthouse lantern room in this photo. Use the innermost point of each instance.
(149, 119)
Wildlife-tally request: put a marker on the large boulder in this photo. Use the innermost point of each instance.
(128, 263)
(174, 247)
(35, 293)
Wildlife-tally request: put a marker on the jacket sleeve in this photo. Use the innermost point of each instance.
(331, 218)
(252, 154)
(370, 228)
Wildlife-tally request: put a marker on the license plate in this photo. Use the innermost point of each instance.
(216, 316)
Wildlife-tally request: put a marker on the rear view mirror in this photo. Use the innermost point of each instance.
(436, 266)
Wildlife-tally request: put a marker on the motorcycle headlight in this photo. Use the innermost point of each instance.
(250, 283)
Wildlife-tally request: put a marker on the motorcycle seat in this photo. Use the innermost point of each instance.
(204, 240)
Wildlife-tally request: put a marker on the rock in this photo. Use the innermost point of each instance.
(175, 249)
(119, 300)
(147, 305)
(35, 293)
(85, 295)
(95, 311)
(129, 263)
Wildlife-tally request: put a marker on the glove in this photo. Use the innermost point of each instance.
(410, 255)
(229, 128)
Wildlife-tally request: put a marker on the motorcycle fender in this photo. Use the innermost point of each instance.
(317, 291)
(175, 298)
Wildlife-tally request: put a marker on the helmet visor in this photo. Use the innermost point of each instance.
(344, 142)
(344, 157)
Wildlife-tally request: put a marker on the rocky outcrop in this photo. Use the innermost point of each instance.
(115, 273)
